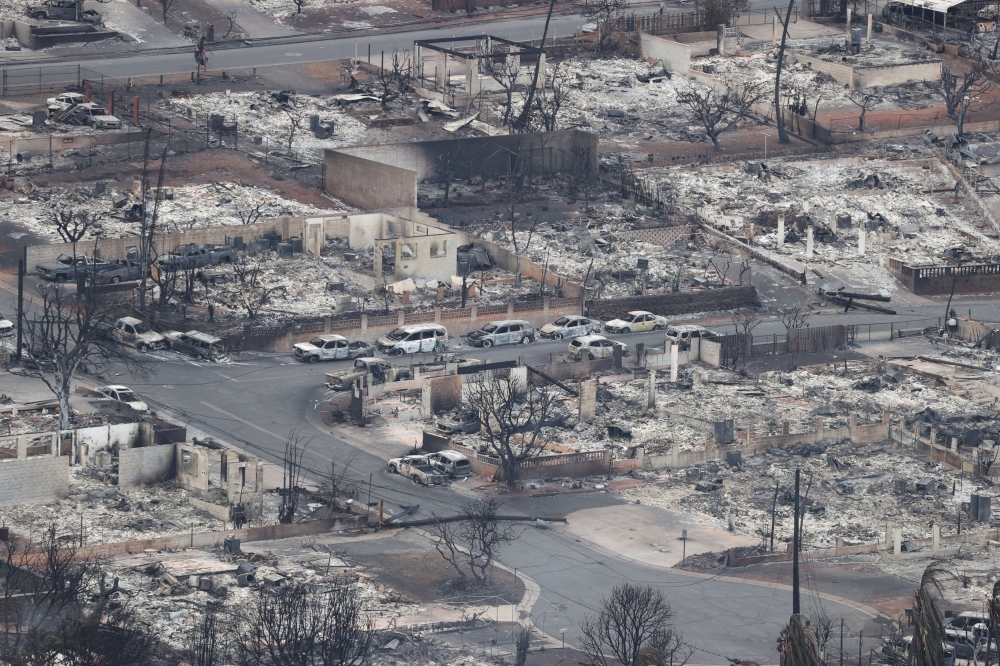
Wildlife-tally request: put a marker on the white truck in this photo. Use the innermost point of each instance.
(418, 469)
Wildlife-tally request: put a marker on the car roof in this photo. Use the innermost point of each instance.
(501, 322)
(329, 337)
(452, 455)
(590, 338)
(204, 337)
(117, 387)
(639, 312)
(687, 327)
(368, 358)
(420, 327)
(130, 320)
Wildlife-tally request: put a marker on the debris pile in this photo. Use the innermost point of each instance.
(183, 207)
(271, 116)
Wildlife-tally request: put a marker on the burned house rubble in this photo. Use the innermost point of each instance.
(400, 348)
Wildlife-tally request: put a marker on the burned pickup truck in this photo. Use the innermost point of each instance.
(381, 372)
(119, 270)
(196, 256)
(67, 267)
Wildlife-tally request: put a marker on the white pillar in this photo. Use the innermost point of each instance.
(809, 242)
(897, 541)
(861, 241)
(781, 230)
(673, 362)
(935, 536)
(870, 19)
(651, 393)
(888, 532)
(848, 28)
(774, 29)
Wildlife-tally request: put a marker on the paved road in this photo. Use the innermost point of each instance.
(264, 55)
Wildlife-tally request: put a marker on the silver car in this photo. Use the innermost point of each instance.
(569, 328)
(504, 332)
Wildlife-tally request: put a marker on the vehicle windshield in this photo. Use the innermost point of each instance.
(98, 111)
(489, 328)
(142, 328)
(218, 348)
(398, 334)
(318, 342)
(65, 259)
(577, 342)
(127, 396)
(562, 321)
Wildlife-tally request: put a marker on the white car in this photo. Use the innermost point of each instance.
(98, 117)
(569, 328)
(594, 347)
(418, 468)
(450, 462)
(6, 327)
(138, 334)
(635, 322)
(62, 102)
(414, 339)
(124, 395)
(331, 348)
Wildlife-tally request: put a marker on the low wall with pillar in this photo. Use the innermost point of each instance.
(749, 443)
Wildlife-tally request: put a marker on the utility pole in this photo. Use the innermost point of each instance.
(20, 303)
(774, 508)
(841, 641)
(795, 550)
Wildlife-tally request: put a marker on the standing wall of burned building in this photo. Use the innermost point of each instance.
(38, 479)
(379, 177)
(369, 184)
(145, 465)
(676, 303)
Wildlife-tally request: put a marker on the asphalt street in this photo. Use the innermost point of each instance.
(294, 53)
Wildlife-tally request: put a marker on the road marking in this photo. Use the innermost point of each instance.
(263, 430)
(294, 55)
(244, 421)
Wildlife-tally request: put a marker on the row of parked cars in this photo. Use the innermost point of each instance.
(424, 338)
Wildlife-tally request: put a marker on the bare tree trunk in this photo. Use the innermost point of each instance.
(782, 134)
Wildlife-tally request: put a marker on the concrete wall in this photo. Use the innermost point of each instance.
(507, 260)
(340, 226)
(938, 280)
(675, 303)
(750, 443)
(43, 145)
(146, 465)
(586, 463)
(870, 77)
(858, 78)
(366, 183)
(34, 480)
(211, 539)
(549, 151)
(441, 394)
(675, 56)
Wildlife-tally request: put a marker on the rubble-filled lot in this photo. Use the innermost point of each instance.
(271, 117)
(109, 516)
(684, 416)
(902, 197)
(853, 489)
(35, 204)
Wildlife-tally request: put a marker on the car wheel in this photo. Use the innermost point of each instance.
(314, 359)
(590, 355)
(487, 343)
(557, 336)
(399, 351)
(60, 278)
(626, 330)
(415, 479)
(142, 348)
(657, 328)
(202, 357)
(525, 340)
(116, 279)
